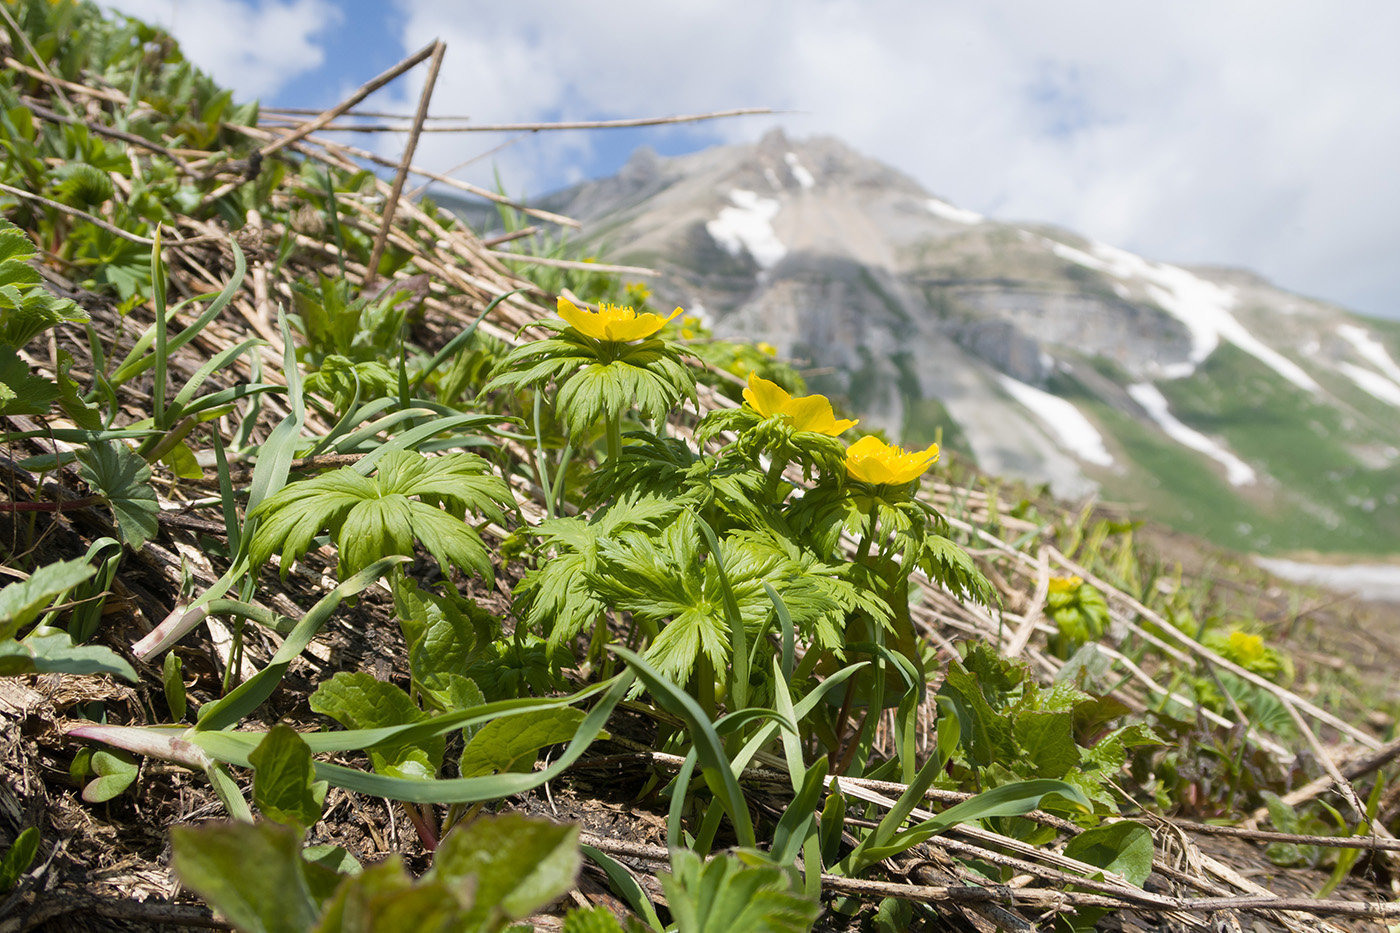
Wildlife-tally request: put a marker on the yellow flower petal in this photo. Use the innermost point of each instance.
(871, 460)
(813, 413)
(805, 413)
(1064, 584)
(613, 323)
(766, 396)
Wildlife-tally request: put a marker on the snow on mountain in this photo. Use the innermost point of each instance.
(1062, 420)
(958, 215)
(1370, 349)
(1237, 472)
(1203, 306)
(748, 226)
(804, 178)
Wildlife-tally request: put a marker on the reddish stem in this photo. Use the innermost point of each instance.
(69, 505)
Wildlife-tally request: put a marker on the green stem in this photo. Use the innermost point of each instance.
(774, 480)
(614, 437)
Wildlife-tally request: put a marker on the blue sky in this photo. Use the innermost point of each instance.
(1244, 133)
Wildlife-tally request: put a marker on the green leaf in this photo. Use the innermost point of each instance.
(520, 864)
(51, 651)
(512, 744)
(21, 391)
(121, 477)
(173, 682)
(372, 518)
(249, 872)
(22, 602)
(18, 858)
(361, 701)
(285, 788)
(735, 891)
(591, 920)
(115, 770)
(1047, 741)
(1124, 847)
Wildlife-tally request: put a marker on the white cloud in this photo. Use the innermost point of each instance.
(254, 49)
(1249, 133)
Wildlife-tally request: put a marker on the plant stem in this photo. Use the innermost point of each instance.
(774, 480)
(614, 437)
(68, 505)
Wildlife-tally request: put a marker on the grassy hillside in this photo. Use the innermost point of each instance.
(359, 578)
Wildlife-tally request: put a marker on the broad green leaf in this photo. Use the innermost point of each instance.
(249, 872)
(513, 744)
(735, 891)
(121, 477)
(115, 770)
(386, 898)
(1124, 848)
(22, 602)
(360, 701)
(51, 651)
(520, 864)
(18, 858)
(1047, 741)
(285, 788)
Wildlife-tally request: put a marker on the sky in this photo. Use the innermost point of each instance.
(1219, 132)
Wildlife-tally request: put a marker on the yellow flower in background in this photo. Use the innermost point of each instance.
(766, 348)
(1064, 584)
(805, 413)
(871, 460)
(612, 322)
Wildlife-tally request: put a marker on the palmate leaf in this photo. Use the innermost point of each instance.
(120, 476)
(552, 597)
(26, 309)
(21, 391)
(373, 517)
(599, 378)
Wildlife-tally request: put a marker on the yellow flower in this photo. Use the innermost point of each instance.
(766, 348)
(872, 461)
(612, 322)
(805, 413)
(1064, 584)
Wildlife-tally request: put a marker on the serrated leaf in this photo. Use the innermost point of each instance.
(22, 602)
(512, 744)
(359, 701)
(591, 920)
(115, 770)
(285, 788)
(520, 864)
(725, 894)
(1046, 739)
(370, 518)
(250, 873)
(121, 477)
(21, 391)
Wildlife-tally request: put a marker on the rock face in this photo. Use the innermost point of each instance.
(1261, 418)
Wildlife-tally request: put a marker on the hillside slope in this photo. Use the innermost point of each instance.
(1222, 404)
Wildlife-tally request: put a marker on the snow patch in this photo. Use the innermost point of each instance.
(958, 215)
(799, 171)
(1154, 403)
(1374, 383)
(748, 225)
(773, 181)
(1203, 306)
(1067, 424)
(1370, 349)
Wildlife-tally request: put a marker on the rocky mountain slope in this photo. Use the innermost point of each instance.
(1218, 403)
